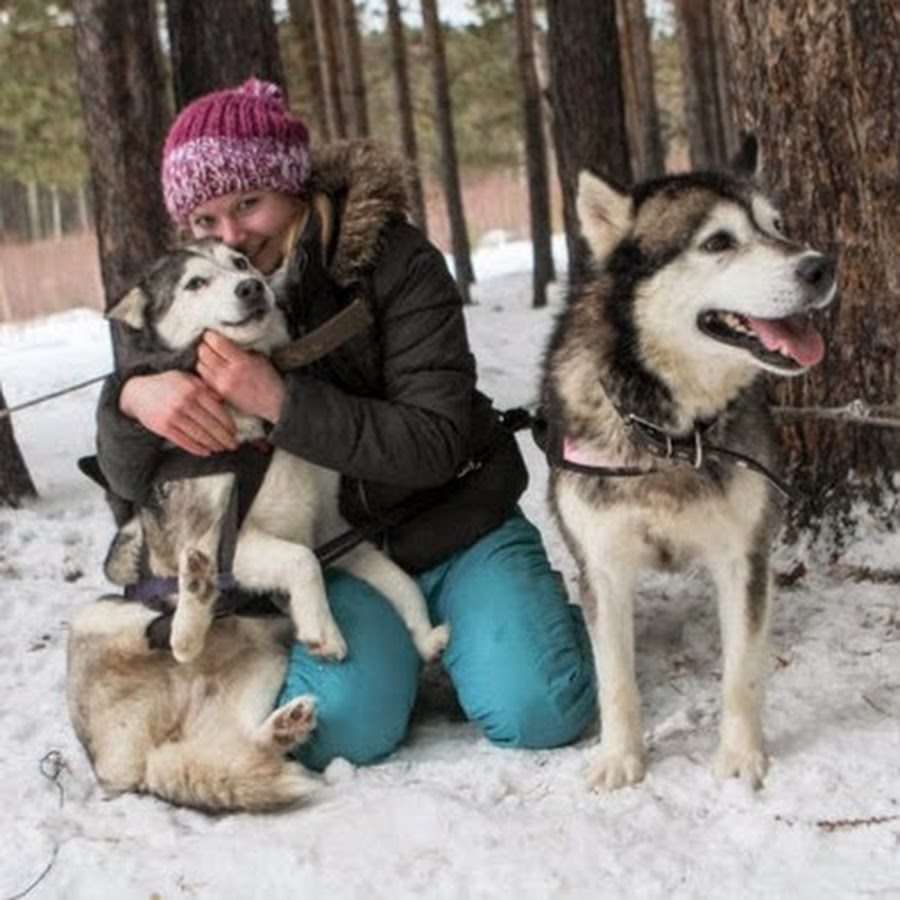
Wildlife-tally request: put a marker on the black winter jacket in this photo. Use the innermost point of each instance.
(394, 409)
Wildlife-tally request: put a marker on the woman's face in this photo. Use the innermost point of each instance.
(254, 222)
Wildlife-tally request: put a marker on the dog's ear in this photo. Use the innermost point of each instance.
(746, 161)
(131, 309)
(604, 212)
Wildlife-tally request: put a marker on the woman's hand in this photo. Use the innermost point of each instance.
(181, 408)
(246, 380)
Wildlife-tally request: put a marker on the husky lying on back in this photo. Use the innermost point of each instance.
(664, 442)
(137, 712)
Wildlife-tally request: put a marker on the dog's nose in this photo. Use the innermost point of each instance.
(816, 270)
(252, 294)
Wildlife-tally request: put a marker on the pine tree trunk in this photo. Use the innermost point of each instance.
(443, 115)
(588, 108)
(535, 157)
(405, 116)
(819, 83)
(305, 27)
(641, 111)
(15, 481)
(357, 111)
(330, 67)
(122, 91)
(220, 43)
(707, 105)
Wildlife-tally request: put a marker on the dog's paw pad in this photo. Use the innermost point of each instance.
(197, 563)
(433, 643)
(612, 770)
(295, 720)
(750, 765)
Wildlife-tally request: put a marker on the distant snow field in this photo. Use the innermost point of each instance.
(449, 815)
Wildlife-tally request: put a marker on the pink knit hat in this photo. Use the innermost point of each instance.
(239, 139)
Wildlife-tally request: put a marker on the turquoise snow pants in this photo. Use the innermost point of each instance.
(518, 655)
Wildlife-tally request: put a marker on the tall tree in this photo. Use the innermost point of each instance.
(123, 97)
(709, 117)
(819, 84)
(403, 96)
(588, 108)
(357, 111)
(535, 157)
(304, 22)
(641, 110)
(434, 41)
(218, 43)
(15, 480)
(330, 67)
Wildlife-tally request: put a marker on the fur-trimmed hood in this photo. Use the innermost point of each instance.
(368, 183)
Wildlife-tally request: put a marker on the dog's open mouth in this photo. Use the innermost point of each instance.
(791, 344)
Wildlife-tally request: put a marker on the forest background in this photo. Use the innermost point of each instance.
(46, 215)
(498, 111)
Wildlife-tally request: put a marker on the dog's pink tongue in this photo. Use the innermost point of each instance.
(794, 336)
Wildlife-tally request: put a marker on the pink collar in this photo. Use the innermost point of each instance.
(583, 455)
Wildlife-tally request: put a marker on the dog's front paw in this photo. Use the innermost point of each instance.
(749, 763)
(611, 769)
(326, 642)
(433, 643)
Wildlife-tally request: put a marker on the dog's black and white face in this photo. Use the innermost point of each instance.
(710, 274)
(204, 285)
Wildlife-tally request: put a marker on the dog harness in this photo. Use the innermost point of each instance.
(694, 450)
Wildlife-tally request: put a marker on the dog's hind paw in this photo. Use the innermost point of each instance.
(750, 764)
(292, 723)
(433, 643)
(612, 769)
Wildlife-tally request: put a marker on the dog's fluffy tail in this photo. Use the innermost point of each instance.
(209, 779)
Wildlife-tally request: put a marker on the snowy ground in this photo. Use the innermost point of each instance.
(449, 815)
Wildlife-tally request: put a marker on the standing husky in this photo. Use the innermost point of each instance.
(139, 714)
(663, 442)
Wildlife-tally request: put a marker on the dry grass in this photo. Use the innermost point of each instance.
(49, 276)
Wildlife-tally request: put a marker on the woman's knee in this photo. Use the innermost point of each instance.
(519, 653)
(363, 703)
(536, 705)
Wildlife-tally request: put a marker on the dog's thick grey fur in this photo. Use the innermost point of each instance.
(695, 291)
(188, 728)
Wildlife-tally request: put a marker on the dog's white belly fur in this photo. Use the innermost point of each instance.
(616, 542)
(201, 733)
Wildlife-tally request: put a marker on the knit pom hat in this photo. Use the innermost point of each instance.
(239, 139)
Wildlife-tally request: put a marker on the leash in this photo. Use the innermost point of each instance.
(6, 412)
(343, 325)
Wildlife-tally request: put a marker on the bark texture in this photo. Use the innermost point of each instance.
(819, 83)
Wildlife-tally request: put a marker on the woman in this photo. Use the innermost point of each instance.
(393, 409)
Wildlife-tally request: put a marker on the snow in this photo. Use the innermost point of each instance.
(449, 815)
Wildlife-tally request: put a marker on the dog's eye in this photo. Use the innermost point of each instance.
(196, 283)
(241, 263)
(718, 242)
(778, 225)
